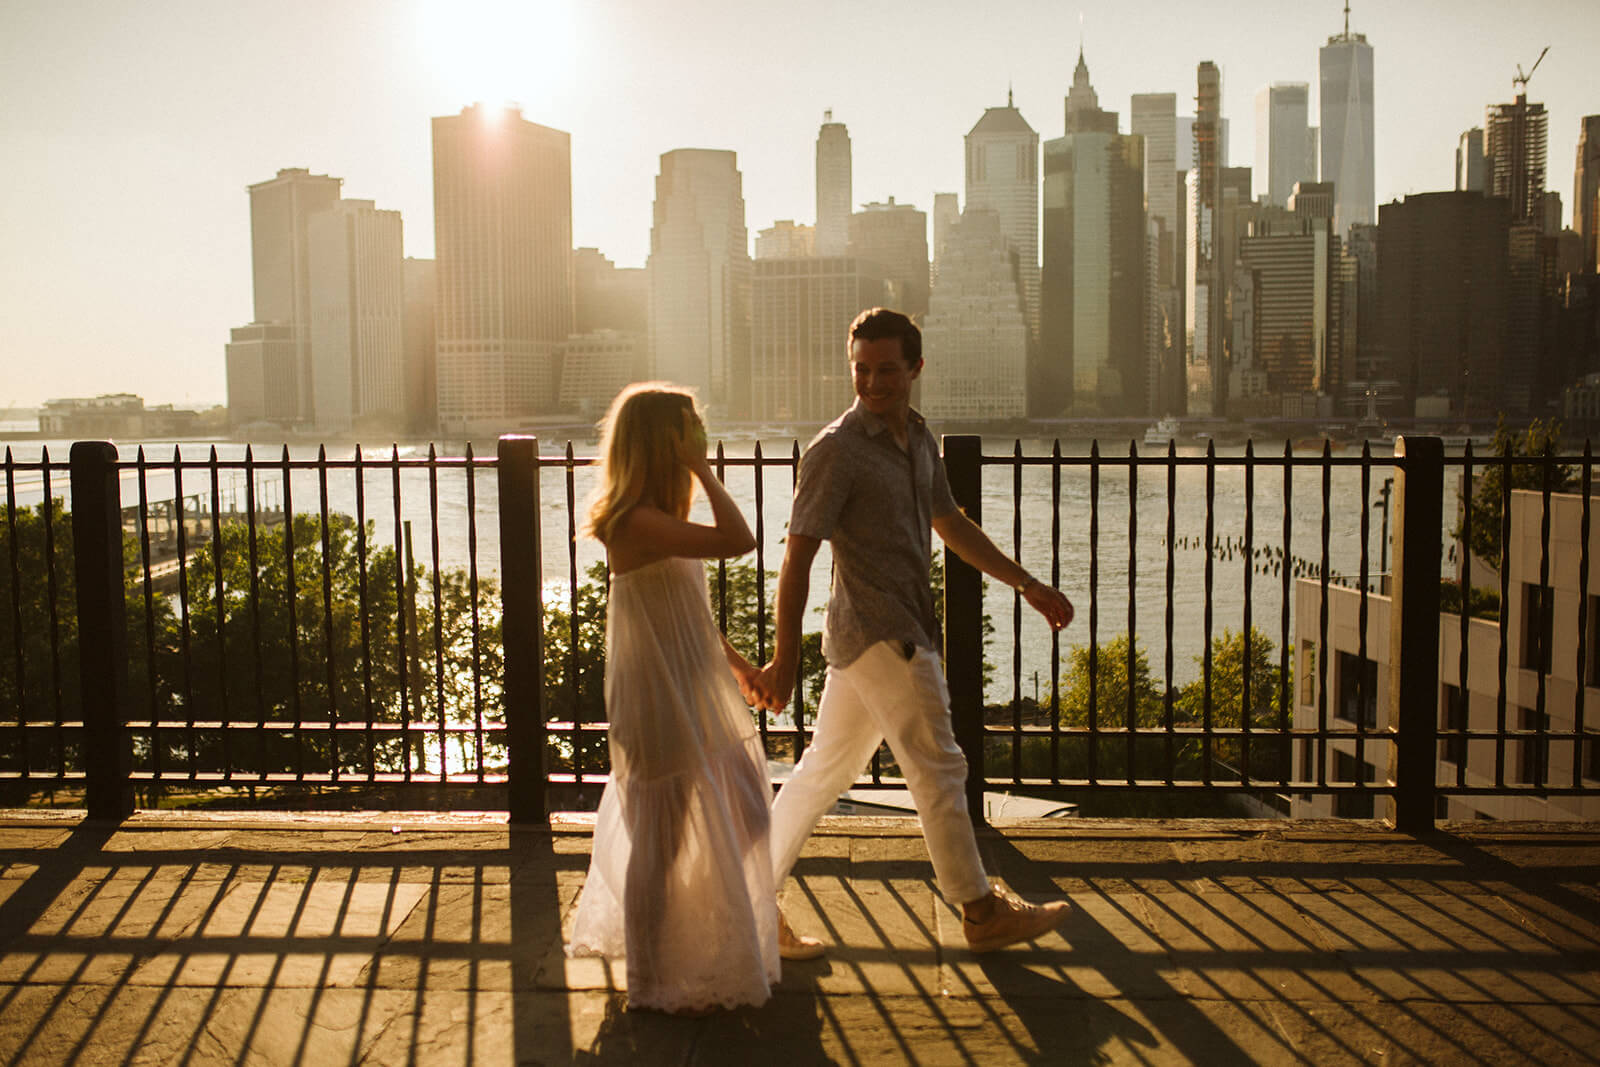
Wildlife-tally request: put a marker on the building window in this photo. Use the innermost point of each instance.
(1533, 756)
(1358, 690)
(1538, 623)
(1352, 805)
(1452, 727)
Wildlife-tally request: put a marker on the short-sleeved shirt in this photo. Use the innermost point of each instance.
(875, 504)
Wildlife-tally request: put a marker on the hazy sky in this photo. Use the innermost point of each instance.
(131, 129)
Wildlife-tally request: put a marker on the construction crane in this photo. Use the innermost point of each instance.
(1521, 78)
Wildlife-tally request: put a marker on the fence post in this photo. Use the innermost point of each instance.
(1414, 628)
(963, 618)
(102, 628)
(522, 625)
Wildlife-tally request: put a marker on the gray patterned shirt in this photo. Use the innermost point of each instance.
(875, 504)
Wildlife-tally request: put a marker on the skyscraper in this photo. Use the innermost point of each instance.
(700, 278)
(1469, 161)
(502, 223)
(422, 350)
(1285, 147)
(280, 254)
(833, 187)
(1091, 356)
(894, 238)
(1514, 145)
(1154, 117)
(1003, 176)
(784, 240)
(946, 213)
(975, 329)
(357, 315)
(1443, 292)
(801, 308)
(1586, 191)
(1205, 376)
(1345, 63)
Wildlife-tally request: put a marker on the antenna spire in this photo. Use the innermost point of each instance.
(1347, 18)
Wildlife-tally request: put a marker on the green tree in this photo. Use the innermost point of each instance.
(1268, 687)
(1541, 438)
(324, 648)
(1111, 687)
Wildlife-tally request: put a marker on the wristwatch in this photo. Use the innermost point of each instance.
(1027, 583)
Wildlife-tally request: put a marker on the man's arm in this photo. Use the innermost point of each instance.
(973, 545)
(775, 684)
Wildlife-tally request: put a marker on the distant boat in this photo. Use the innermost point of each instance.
(1163, 432)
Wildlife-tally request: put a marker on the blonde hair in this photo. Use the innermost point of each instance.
(639, 456)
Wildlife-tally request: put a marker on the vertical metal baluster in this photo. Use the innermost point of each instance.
(365, 612)
(1578, 741)
(1285, 637)
(1172, 536)
(16, 609)
(438, 612)
(329, 650)
(1055, 635)
(1361, 610)
(1094, 612)
(1546, 658)
(220, 595)
(1248, 637)
(47, 515)
(1465, 617)
(1322, 631)
(291, 590)
(157, 745)
(761, 587)
(573, 680)
(1133, 591)
(1505, 610)
(477, 621)
(184, 631)
(1016, 616)
(253, 550)
(403, 635)
(1208, 739)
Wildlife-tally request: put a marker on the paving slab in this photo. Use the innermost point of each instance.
(389, 937)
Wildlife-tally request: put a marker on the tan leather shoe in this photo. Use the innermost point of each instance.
(1012, 920)
(791, 946)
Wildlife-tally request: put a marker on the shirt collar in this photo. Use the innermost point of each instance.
(872, 425)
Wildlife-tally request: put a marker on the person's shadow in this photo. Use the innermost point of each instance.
(1065, 1024)
(786, 1029)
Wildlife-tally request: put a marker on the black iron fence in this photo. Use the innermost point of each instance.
(249, 622)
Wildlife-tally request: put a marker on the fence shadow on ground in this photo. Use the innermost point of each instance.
(367, 944)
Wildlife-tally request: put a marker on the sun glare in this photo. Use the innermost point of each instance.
(498, 51)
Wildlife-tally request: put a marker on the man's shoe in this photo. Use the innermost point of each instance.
(791, 946)
(1011, 921)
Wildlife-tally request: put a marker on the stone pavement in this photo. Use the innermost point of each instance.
(386, 939)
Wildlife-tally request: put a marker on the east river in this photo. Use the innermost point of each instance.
(1148, 505)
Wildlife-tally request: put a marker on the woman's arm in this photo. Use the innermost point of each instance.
(647, 533)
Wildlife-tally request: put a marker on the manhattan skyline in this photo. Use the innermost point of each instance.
(134, 131)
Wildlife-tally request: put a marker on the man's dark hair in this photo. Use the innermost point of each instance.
(881, 324)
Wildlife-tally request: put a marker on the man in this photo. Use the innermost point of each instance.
(872, 484)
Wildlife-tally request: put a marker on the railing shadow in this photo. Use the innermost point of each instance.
(114, 945)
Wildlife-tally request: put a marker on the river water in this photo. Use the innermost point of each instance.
(1094, 529)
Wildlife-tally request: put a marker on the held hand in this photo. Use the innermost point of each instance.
(772, 688)
(747, 677)
(1051, 603)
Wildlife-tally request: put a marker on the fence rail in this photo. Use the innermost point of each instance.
(294, 630)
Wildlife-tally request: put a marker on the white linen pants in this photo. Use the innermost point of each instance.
(882, 696)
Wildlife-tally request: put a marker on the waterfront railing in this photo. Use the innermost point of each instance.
(248, 623)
